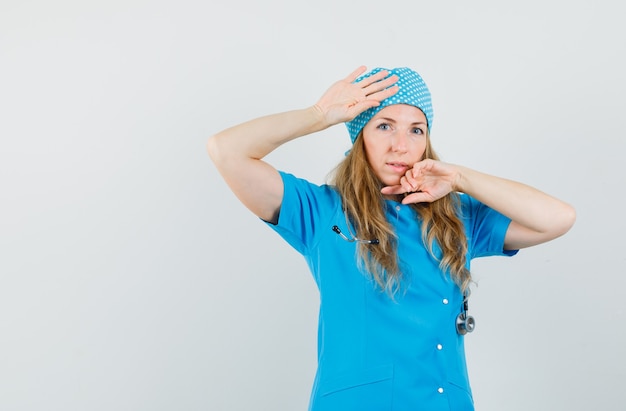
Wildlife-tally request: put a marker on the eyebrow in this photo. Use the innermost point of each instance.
(389, 119)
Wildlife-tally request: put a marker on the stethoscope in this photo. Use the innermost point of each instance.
(465, 323)
(352, 238)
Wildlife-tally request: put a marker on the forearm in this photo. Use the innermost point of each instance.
(525, 205)
(257, 138)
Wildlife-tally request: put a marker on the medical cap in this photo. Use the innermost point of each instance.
(413, 91)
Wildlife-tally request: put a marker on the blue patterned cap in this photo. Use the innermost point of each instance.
(413, 91)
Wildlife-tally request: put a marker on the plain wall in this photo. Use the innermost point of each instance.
(132, 279)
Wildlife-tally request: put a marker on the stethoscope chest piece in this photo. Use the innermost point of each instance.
(465, 323)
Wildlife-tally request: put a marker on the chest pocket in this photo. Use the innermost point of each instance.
(366, 390)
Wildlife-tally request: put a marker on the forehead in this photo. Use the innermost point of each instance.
(402, 112)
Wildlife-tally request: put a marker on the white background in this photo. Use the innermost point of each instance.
(132, 279)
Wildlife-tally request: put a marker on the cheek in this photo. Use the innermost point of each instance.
(369, 153)
(419, 149)
(373, 148)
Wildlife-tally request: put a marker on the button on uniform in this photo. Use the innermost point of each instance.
(444, 301)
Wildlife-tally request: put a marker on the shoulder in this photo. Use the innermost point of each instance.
(301, 187)
(306, 212)
(471, 208)
(468, 205)
(304, 200)
(480, 218)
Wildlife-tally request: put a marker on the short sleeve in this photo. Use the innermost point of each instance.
(304, 209)
(485, 229)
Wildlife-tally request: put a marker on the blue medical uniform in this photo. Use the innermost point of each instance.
(374, 352)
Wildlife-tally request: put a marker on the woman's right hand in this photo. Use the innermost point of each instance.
(238, 151)
(346, 99)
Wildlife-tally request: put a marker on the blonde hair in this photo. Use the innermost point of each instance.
(364, 205)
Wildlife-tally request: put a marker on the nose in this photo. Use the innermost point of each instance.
(399, 142)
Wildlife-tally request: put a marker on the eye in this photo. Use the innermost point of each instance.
(418, 130)
(383, 126)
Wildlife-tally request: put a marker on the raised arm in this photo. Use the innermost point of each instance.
(536, 217)
(238, 151)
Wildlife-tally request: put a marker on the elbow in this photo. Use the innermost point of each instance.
(570, 217)
(566, 220)
(554, 225)
(213, 148)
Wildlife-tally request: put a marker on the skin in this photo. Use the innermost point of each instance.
(394, 151)
(395, 139)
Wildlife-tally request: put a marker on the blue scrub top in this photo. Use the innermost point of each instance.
(374, 352)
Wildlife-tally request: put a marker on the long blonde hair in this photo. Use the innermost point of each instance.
(364, 205)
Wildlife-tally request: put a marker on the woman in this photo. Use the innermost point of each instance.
(389, 242)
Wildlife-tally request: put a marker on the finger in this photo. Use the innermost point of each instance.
(355, 74)
(373, 79)
(383, 94)
(423, 167)
(411, 180)
(418, 197)
(408, 185)
(381, 84)
(392, 190)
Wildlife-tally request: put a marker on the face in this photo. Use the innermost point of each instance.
(395, 139)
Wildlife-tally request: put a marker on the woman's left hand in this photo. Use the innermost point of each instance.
(427, 181)
(536, 217)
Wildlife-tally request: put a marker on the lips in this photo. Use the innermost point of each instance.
(398, 167)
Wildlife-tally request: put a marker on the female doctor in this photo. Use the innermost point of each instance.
(388, 241)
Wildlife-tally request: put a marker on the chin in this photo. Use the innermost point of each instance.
(390, 181)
